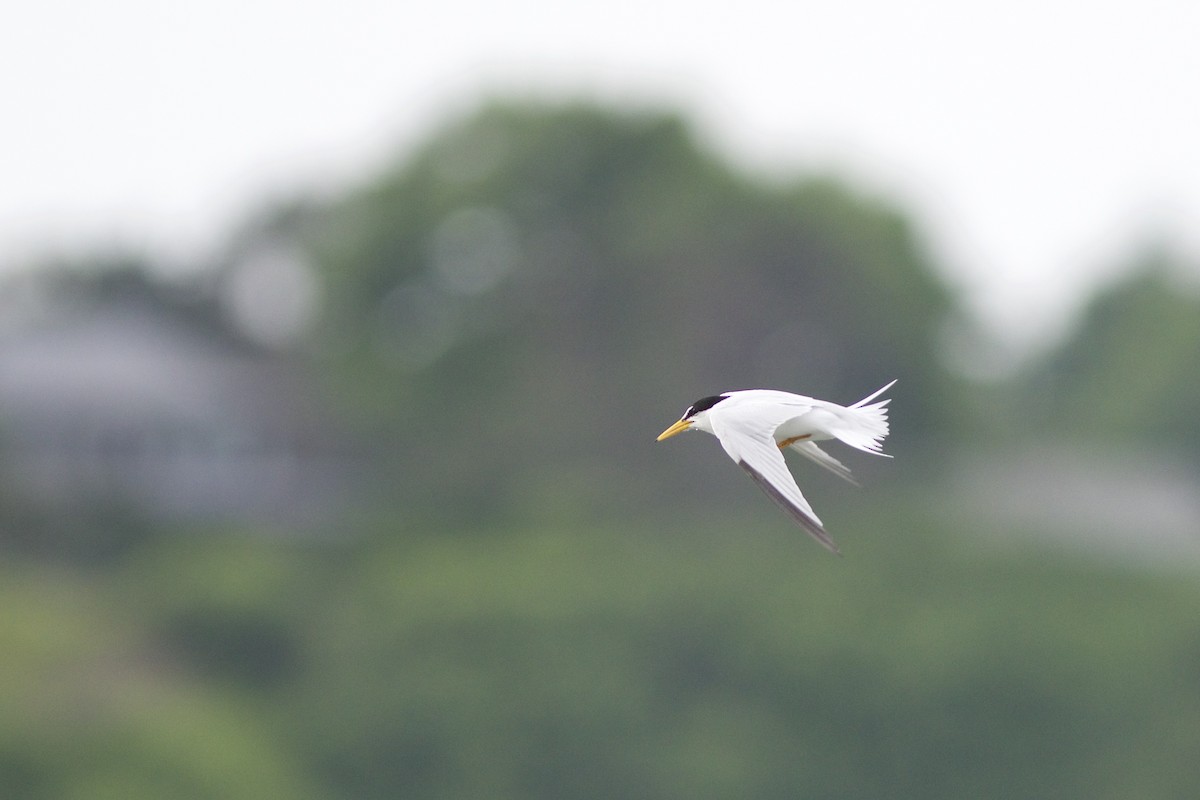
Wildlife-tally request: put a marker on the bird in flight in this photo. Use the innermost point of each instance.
(755, 426)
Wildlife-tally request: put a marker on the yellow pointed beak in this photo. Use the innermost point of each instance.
(679, 427)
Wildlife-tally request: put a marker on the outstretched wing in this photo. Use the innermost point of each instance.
(752, 446)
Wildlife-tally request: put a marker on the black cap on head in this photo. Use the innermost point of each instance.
(703, 404)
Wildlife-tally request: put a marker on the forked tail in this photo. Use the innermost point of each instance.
(864, 425)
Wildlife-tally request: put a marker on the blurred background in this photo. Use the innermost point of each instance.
(334, 339)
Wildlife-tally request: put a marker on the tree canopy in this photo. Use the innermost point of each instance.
(548, 284)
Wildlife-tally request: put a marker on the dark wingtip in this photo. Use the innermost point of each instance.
(810, 526)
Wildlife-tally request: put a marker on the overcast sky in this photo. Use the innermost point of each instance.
(1037, 144)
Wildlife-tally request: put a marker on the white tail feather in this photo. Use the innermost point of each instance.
(865, 426)
(809, 449)
(873, 395)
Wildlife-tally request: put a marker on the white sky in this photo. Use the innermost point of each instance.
(1036, 143)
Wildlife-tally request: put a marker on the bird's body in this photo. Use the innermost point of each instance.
(754, 426)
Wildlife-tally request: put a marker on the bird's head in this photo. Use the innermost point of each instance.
(695, 417)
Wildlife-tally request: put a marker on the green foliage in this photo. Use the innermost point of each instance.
(660, 661)
(1129, 371)
(91, 710)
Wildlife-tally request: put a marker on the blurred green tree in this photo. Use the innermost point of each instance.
(548, 286)
(626, 664)
(1128, 373)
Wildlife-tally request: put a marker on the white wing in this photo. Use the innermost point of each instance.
(750, 442)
